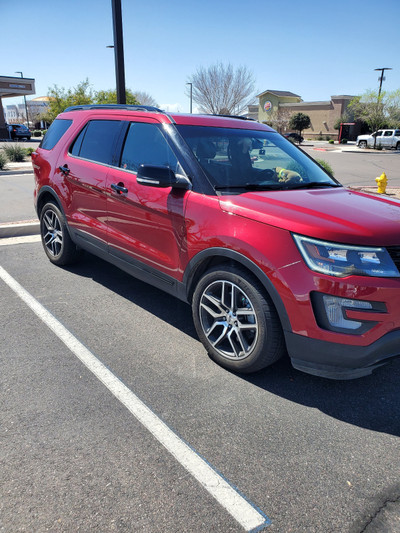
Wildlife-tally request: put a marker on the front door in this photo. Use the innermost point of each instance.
(146, 224)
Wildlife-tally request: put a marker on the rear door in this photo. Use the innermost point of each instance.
(387, 139)
(85, 167)
(146, 224)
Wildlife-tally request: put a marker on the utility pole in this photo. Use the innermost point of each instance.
(119, 51)
(381, 78)
(191, 95)
(26, 107)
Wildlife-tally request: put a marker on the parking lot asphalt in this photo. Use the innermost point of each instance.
(310, 454)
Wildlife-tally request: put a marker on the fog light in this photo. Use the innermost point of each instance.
(331, 313)
(335, 309)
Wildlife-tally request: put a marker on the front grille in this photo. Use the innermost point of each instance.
(394, 252)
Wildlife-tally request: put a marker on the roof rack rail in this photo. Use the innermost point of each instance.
(127, 107)
(241, 117)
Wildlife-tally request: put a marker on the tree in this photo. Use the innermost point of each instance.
(300, 122)
(110, 97)
(279, 120)
(377, 111)
(144, 98)
(61, 98)
(221, 89)
(82, 94)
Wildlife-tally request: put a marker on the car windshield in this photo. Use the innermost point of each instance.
(236, 160)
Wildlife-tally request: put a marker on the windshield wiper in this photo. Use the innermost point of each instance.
(312, 185)
(250, 187)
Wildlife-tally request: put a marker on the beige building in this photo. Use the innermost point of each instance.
(276, 107)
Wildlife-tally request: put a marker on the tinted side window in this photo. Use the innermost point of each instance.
(146, 145)
(77, 144)
(54, 133)
(96, 142)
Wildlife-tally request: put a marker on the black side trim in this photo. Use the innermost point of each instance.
(203, 258)
(128, 264)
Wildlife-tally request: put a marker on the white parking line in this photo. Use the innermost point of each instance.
(245, 513)
(8, 241)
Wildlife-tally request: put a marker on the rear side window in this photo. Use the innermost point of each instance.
(54, 133)
(146, 145)
(96, 141)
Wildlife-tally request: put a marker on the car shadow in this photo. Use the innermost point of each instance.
(371, 402)
(169, 309)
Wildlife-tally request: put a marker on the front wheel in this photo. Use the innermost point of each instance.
(56, 241)
(362, 144)
(235, 321)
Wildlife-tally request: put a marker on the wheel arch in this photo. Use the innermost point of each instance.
(219, 256)
(47, 194)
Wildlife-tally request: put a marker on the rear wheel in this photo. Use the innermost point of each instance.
(237, 324)
(398, 146)
(56, 241)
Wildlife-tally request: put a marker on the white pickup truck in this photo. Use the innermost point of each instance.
(384, 138)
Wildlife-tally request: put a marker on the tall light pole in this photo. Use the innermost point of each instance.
(191, 95)
(119, 51)
(381, 78)
(26, 107)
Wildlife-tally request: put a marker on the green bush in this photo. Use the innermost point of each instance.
(3, 161)
(343, 141)
(29, 151)
(331, 141)
(37, 133)
(14, 152)
(326, 166)
(379, 147)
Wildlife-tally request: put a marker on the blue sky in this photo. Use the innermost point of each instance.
(314, 48)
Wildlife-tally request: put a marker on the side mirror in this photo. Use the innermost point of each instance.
(160, 176)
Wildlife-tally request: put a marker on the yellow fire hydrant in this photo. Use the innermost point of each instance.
(382, 183)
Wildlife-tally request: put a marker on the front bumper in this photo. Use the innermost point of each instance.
(341, 361)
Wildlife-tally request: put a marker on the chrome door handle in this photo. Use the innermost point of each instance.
(119, 188)
(64, 169)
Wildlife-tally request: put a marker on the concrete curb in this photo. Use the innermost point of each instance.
(14, 172)
(19, 229)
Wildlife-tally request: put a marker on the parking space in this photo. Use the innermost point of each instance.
(307, 454)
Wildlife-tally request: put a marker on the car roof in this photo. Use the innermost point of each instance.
(191, 119)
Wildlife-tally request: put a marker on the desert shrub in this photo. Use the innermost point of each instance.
(14, 153)
(3, 161)
(326, 166)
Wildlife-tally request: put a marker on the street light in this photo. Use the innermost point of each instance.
(26, 107)
(191, 95)
(381, 78)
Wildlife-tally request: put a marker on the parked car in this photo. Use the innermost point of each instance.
(19, 131)
(384, 139)
(294, 137)
(272, 253)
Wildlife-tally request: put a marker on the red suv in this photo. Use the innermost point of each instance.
(272, 253)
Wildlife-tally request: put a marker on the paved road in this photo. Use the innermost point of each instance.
(312, 455)
(360, 168)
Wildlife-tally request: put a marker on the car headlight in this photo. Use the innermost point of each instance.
(346, 260)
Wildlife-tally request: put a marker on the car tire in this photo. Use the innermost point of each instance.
(398, 146)
(56, 240)
(236, 321)
(362, 144)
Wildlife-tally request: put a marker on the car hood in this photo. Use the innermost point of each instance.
(339, 215)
